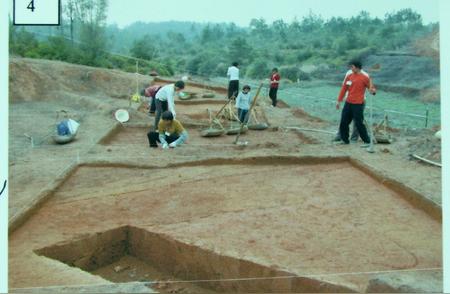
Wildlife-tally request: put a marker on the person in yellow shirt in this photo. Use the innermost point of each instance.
(170, 132)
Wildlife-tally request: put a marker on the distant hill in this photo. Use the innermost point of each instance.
(122, 39)
(187, 29)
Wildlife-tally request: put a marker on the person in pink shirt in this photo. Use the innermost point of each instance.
(355, 85)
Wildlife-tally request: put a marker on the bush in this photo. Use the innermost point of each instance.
(362, 53)
(22, 42)
(304, 76)
(323, 71)
(294, 73)
(304, 54)
(221, 69)
(258, 69)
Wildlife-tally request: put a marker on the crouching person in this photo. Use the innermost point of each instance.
(170, 132)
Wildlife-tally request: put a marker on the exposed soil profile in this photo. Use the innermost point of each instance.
(131, 254)
(137, 136)
(319, 221)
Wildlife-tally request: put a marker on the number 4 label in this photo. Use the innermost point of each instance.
(31, 5)
(37, 12)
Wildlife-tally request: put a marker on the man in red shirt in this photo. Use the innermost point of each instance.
(274, 81)
(355, 84)
(151, 93)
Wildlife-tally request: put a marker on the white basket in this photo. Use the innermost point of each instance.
(122, 115)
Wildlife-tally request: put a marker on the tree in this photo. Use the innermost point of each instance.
(405, 17)
(22, 42)
(217, 32)
(336, 25)
(295, 27)
(194, 64)
(360, 21)
(143, 48)
(240, 50)
(311, 23)
(92, 16)
(176, 38)
(231, 30)
(260, 28)
(70, 12)
(207, 34)
(258, 69)
(280, 28)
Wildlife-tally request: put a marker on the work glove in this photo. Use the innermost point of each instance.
(165, 146)
(173, 145)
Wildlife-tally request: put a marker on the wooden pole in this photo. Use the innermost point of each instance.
(426, 160)
(223, 107)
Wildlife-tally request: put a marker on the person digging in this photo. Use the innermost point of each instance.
(170, 132)
(150, 92)
(164, 100)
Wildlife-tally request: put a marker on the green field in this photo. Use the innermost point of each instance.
(318, 98)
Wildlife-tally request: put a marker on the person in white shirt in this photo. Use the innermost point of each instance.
(243, 101)
(233, 76)
(164, 100)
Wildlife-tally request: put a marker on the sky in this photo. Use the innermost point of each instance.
(125, 12)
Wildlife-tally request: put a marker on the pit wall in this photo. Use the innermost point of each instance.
(220, 90)
(183, 261)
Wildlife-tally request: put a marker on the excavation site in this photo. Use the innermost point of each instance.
(270, 207)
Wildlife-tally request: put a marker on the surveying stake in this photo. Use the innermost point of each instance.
(136, 97)
(371, 148)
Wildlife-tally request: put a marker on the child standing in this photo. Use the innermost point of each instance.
(243, 101)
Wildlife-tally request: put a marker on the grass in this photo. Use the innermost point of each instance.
(318, 98)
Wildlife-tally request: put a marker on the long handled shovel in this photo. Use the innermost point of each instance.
(371, 149)
(246, 116)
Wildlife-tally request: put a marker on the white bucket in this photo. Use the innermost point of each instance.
(122, 115)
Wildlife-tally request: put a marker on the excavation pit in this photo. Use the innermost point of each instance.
(129, 254)
(194, 87)
(136, 137)
(300, 216)
(196, 111)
